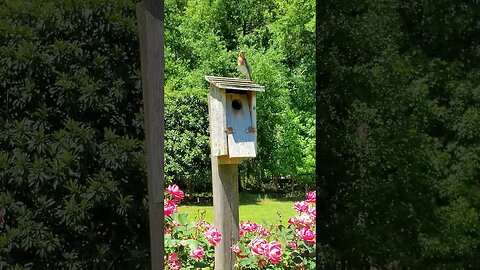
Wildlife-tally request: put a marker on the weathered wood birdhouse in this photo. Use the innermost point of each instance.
(232, 115)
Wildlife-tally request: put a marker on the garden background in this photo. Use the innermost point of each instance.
(397, 107)
(72, 170)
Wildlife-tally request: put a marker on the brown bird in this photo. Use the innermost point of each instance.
(243, 66)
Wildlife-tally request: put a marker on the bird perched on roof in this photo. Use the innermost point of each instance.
(243, 66)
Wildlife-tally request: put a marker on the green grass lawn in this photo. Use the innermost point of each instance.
(255, 208)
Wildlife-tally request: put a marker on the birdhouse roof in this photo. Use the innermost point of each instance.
(234, 84)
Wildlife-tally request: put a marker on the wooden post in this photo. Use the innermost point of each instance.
(225, 207)
(232, 120)
(151, 26)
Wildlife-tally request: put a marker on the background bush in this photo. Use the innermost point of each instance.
(187, 147)
(398, 138)
(72, 181)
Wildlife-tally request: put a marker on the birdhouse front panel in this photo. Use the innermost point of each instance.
(240, 131)
(232, 117)
(218, 122)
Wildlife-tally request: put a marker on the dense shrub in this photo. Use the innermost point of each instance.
(399, 134)
(72, 181)
(187, 148)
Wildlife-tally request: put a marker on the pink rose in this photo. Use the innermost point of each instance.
(262, 231)
(176, 193)
(253, 227)
(311, 197)
(169, 208)
(292, 220)
(173, 257)
(173, 263)
(197, 253)
(306, 235)
(301, 206)
(235, 249)
(257, 245)
(273, 252)
(312, 211)
(248, 226)
(213, 235)
(304, 220)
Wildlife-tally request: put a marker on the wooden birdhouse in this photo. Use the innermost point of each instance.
(232, 115)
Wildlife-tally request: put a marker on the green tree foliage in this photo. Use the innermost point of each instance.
(204, 38)
(399, 134)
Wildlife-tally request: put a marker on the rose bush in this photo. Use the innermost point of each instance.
(188, 244)
(191, 244)
(279, 247)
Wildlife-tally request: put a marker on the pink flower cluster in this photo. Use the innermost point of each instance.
(170, 206)
(249, 227)
(311, 197)
(197, 253)
(174, 196)
(235, 249)
(213, 235)
(303, 225)
(306, 234)
(303, 222)
(173, 261)
(175, 192)
(272, 251)
(301, 206)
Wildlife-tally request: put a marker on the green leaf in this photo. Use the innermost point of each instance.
(248, 261)
(201, 265)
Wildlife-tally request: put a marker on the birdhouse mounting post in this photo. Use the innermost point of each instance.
(233, 137)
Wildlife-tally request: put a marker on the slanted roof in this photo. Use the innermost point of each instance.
(234, 84)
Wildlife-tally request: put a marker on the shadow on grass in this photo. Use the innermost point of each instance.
(246, 198)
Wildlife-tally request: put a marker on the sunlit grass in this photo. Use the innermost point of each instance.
(252, 207)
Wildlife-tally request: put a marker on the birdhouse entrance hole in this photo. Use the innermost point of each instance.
(237, 104)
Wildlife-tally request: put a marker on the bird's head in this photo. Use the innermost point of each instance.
(242, 54)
